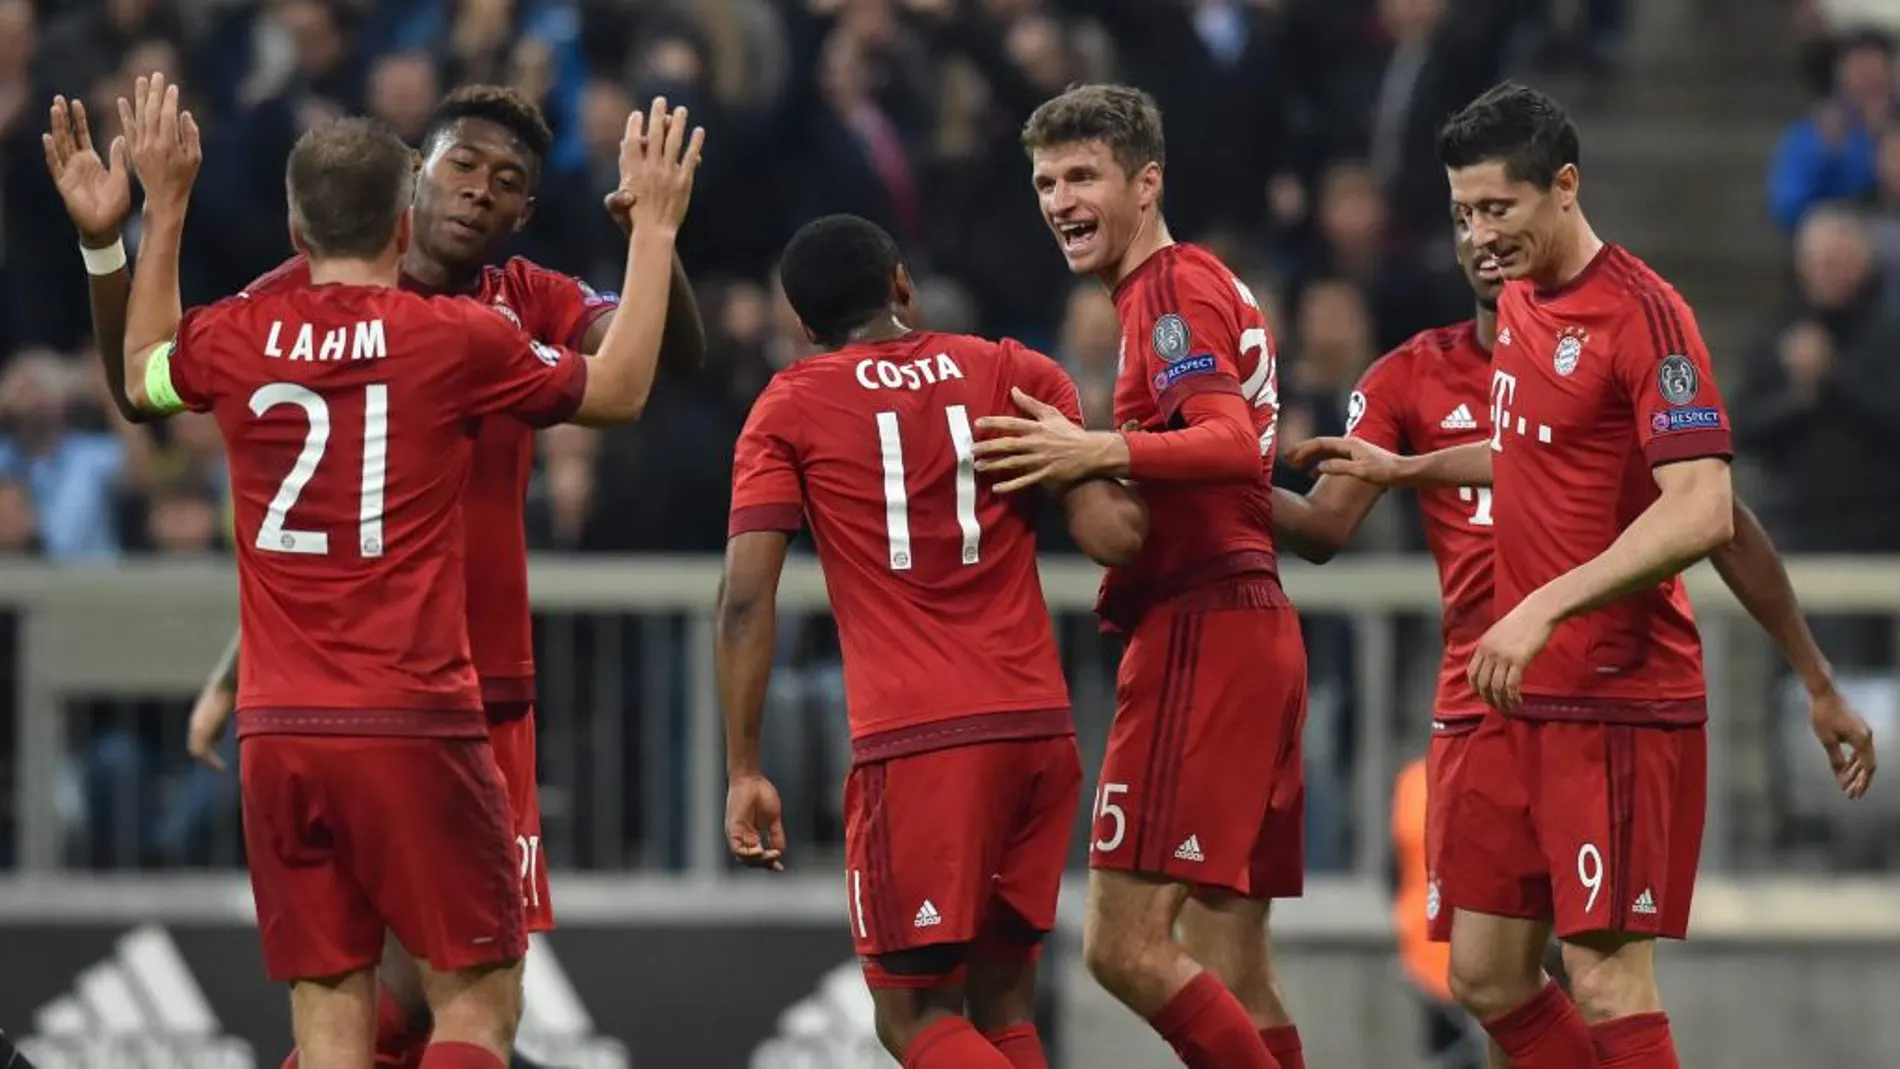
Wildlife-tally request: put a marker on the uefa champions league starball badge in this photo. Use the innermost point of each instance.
(1170, 338)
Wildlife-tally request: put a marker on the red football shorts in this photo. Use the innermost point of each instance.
(1203, 780)
(1444, 763)
(350, 835)
(1593, 827)
(513, 742)
(960, 845)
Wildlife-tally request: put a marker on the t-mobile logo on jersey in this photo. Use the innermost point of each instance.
(1503, 399)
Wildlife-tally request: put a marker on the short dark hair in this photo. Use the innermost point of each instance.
(1122, 117)
(349, 181)
(1514, 125)
(502, 105)
(837, 275)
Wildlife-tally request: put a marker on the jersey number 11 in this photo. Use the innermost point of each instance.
(897, 499)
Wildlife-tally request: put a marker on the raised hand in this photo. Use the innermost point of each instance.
(164, 142)
(98, 195)
(657, 164)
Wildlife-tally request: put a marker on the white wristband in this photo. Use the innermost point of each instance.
(104, 261)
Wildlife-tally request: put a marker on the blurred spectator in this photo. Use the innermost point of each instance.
(1824, 385)
(1832, 154)
(1352, 240)
(1334, 345)
(403, 90)
(19, 524)
(1091, 350)
(72, 475)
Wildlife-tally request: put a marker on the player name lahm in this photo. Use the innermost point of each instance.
(366, 340)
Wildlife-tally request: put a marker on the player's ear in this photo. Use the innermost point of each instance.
(296, 237)
(1568, 182)
(903, 291)
(527, 213)
(1148, 181)
(405, 231)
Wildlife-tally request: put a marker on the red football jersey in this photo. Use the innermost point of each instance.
(1593, 385)
(347, 416)
(932, 576)
(552, 308)
(1430, 394)
(1189, 326)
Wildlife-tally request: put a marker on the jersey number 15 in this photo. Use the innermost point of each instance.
(897, 499)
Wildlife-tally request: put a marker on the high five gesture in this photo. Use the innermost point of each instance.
(97, 194)
(164, 142)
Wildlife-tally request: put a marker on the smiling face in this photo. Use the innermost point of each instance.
(1094, 208)
(1512, 226)
(476, 190)
(1481, 271)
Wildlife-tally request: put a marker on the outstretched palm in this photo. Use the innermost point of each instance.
(97, 196)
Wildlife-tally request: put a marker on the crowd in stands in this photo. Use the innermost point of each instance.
(1822, 383)
(1299, 145)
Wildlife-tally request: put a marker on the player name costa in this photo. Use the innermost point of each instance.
(365, 340)
(910, 375)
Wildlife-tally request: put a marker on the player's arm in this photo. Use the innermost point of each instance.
(1751, 568)
(767, 510)
(682, 338)
(745, 641)
(1194, 373)
(658, 170)
(1458, 465)
(166, 153)
(1749, 564)
(1692, 516)
(1318, 525)
(211, 713)
(1107, 520)
(98, 197)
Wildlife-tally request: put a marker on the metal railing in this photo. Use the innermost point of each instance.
(632, 766)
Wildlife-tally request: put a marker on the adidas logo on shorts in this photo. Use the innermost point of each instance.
(927, 915)
(1645, 903)
(1190, 850)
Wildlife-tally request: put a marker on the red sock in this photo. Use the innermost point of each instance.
(1545, 1033)
(399, 1042)
(1021, 1045)
(1209, 1028)
(952, 1043)
(1283, 1043)
(1639, 1041)
(459, 1056)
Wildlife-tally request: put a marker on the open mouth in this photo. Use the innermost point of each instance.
(1493, 265)
(1077, 238)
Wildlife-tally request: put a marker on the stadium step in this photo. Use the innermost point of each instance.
(1676, 151)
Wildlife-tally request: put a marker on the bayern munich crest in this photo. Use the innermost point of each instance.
(1569, 350)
